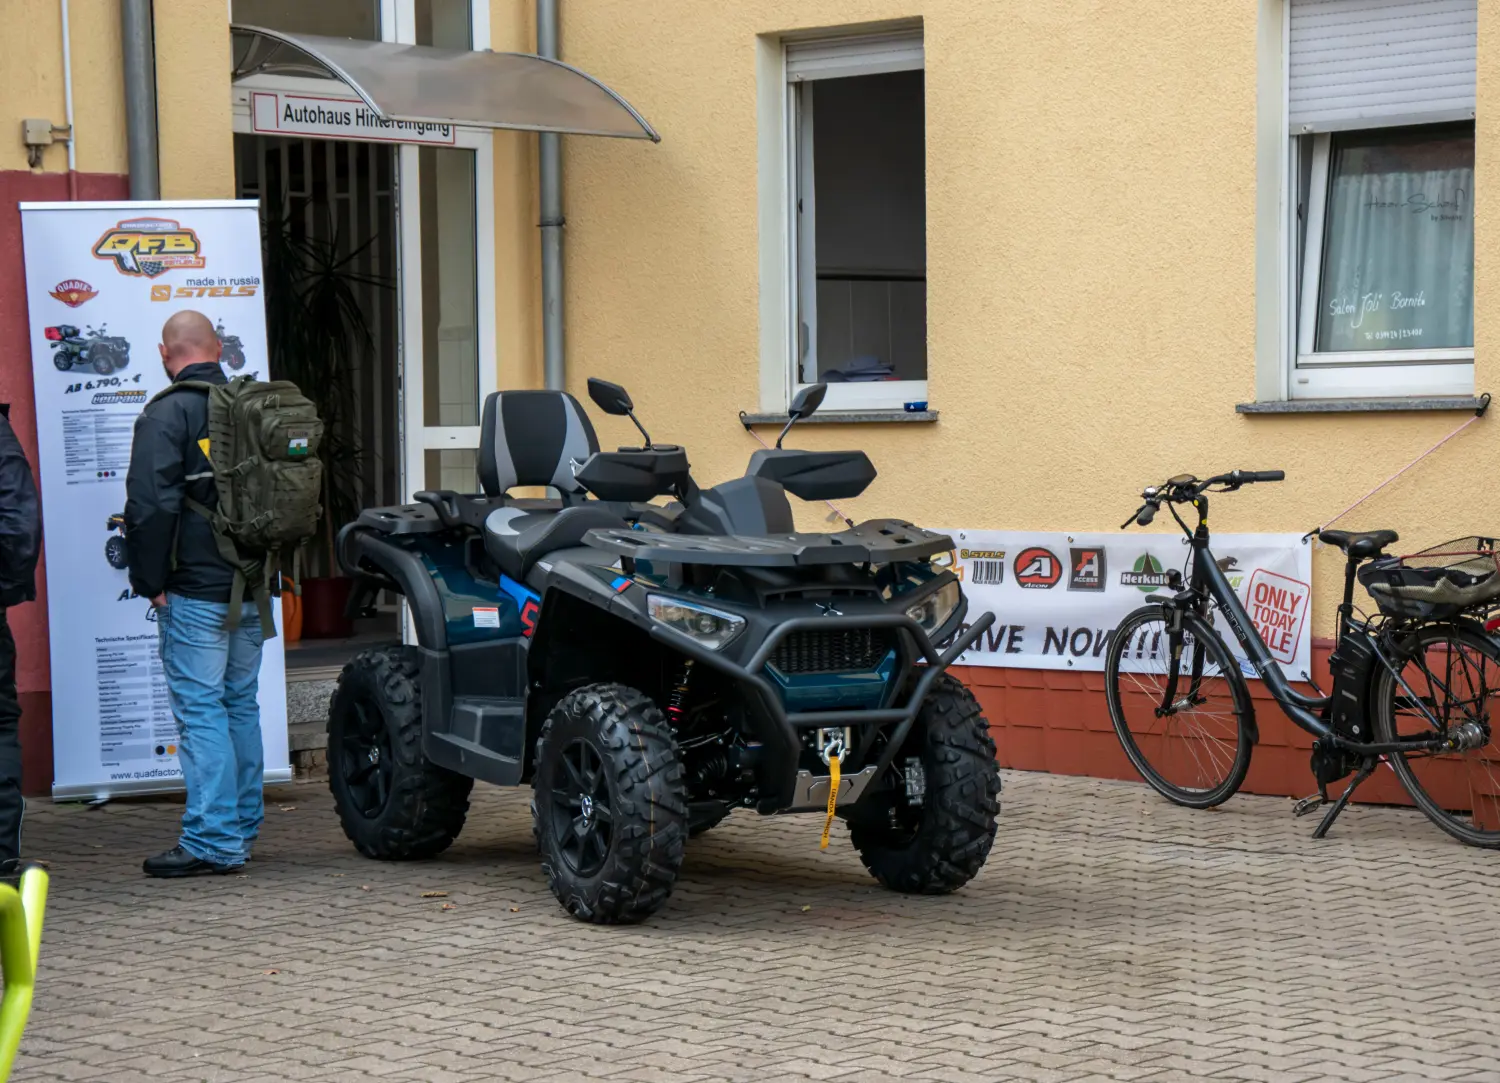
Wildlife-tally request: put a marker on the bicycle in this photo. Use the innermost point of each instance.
(1411, 685)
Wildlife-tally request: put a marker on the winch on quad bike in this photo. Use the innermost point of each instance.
(649, 668)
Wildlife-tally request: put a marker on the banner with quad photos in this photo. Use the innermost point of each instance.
(1057, 597)
(101, 279)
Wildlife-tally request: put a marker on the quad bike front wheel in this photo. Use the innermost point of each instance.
(937, 842)
(393, 803)
(114, 552)
(610, 810)
(234, 357)
(103, 361)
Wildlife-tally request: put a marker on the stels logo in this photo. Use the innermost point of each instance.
(73, 292)
(1086, 569)
(149, 247)
(1038, 568)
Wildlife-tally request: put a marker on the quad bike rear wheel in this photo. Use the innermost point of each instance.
(393, 803)
(63, 361)
(938, 843)
(610, 809)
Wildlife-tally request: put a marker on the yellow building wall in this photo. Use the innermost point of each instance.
(1091, 253)
(31, 82)
(194, 134)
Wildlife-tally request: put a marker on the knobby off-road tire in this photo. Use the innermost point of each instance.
(940, 845)
(610, 810)
(393, 803)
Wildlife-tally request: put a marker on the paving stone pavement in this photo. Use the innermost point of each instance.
(1111, 936)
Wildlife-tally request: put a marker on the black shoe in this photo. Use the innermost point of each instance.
(178, 862)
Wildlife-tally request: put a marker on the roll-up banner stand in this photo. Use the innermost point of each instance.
(101, 279)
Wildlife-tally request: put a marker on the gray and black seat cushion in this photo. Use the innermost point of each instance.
(516, 538)
(533, 438)
(536, 438)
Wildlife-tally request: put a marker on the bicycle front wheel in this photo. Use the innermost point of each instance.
(1450, 676)
(1182, 715)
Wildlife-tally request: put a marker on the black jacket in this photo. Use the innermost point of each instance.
(168, 462)
(20, 519)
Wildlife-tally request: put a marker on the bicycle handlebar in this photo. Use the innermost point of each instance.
(1184, 489)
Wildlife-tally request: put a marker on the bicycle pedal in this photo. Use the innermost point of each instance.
(1309, 804)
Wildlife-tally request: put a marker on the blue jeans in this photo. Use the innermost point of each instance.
(212, 675)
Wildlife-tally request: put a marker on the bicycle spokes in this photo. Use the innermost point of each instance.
(1455, 682)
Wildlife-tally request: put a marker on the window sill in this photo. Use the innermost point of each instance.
(846, 417)
(1363, 406)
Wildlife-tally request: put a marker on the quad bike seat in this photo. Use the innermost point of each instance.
(536, 438)
(516, 538)
(1359, 544)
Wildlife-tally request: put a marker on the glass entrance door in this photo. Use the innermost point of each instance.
(448, 334)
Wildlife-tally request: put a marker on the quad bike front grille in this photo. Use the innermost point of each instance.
(842, 651)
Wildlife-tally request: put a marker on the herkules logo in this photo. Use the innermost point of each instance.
(1145, 575)
(1086, 569)
(150, 247)
(1038, 568)
(73, 292)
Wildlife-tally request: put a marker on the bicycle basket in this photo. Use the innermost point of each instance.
(1436, 583)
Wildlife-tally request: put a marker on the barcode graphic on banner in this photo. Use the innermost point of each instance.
(987, 573)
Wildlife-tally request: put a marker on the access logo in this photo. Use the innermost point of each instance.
(1145, 575)
(1086, 569)
(148, 247)
(1038, 568)
(73, 292)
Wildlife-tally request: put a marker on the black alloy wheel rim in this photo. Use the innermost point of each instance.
(367, 761)
(582, 816)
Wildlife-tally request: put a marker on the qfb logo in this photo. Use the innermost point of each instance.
(1086, 569)
(150, 246)
(1037, 568)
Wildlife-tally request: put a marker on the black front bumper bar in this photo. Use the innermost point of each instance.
(784, 744)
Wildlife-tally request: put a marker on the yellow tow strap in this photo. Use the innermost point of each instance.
(833, 798)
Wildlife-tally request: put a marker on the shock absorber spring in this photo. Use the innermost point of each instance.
(677, 704)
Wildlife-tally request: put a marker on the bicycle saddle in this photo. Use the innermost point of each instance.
(1366, 543)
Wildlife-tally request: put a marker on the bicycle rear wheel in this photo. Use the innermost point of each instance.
(1454, 673)
(1196, 752)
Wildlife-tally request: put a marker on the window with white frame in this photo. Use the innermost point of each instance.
(857, 184)
(1381, 100)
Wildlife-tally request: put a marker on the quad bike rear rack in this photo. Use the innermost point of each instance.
(879, 541)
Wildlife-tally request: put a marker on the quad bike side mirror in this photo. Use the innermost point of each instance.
(804, 404)
(611, 398)
(615, 401)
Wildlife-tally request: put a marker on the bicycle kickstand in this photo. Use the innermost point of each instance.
(1366, 769)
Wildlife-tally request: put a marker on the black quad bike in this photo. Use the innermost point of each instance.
(104, 353)
(649, 668)
(231, 350)
(114, 545)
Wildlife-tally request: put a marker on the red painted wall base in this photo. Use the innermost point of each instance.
(1058, 721)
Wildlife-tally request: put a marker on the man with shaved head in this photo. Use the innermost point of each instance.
(211, 669)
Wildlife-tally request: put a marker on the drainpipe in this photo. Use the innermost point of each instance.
(550, 183)
(139, 49)
(68, 104)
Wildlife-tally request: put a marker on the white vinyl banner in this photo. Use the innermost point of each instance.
(1057, 598)
(101, 279)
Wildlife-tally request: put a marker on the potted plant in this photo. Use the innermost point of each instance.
(317, 332)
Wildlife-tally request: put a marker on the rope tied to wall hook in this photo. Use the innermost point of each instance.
(1479, 411)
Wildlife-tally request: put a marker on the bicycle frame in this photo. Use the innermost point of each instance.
(1209, 584)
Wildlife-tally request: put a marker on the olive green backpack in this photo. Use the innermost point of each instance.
(263, 442)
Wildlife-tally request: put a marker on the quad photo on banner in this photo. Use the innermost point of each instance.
(101, 279)
(1058, 597)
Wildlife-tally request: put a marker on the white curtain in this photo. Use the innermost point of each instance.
(1398, 264)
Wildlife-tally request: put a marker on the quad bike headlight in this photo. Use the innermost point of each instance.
(933, 611)
(712, 628)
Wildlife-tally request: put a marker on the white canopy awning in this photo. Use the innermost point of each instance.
(418, 83)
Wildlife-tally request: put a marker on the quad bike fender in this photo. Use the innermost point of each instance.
(378, 564)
